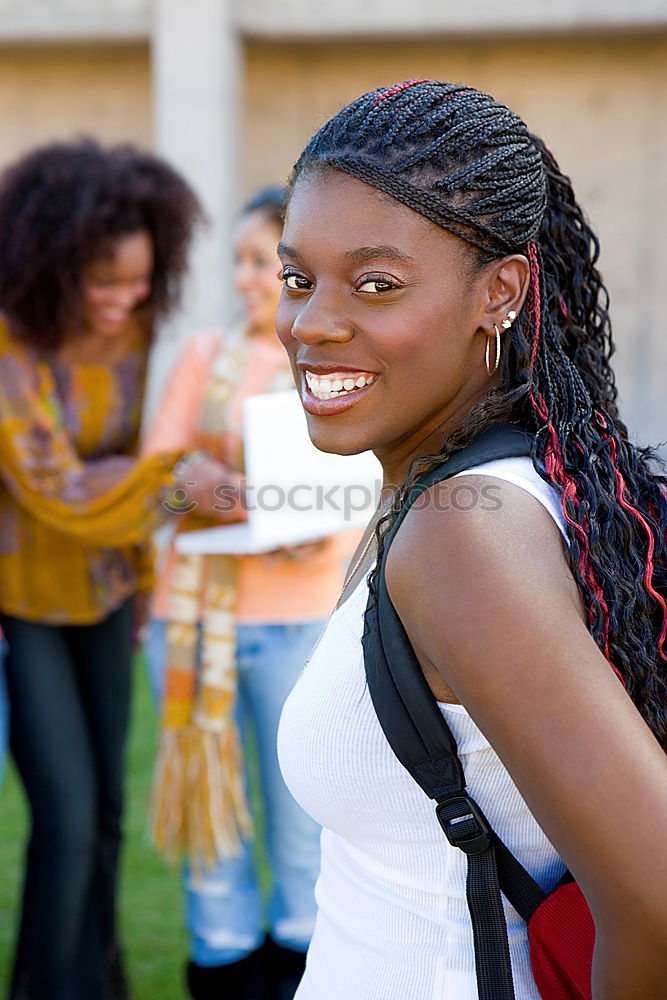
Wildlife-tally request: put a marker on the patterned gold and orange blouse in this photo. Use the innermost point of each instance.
(76, 510)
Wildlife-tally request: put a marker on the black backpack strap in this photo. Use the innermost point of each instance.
(422, 741)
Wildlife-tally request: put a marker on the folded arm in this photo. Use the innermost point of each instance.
(110, 502)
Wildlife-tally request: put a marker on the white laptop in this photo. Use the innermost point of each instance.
(295, 493)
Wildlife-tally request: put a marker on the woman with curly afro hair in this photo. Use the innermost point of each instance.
(93, 246)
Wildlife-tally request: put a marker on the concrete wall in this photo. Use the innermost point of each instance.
(68, 20)
(289, 19)
(49, 20)
(600, 104)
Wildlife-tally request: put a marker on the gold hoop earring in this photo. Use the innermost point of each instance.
(487, 355)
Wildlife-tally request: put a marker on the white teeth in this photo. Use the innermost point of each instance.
(324, 387)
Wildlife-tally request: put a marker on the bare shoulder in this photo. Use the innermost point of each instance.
(474, 537)
(483, 588)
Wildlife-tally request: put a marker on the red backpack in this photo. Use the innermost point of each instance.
(561, 932)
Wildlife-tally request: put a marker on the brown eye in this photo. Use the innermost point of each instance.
(376, 285)
(295, 282)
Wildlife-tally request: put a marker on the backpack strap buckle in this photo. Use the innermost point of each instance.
(464, 824)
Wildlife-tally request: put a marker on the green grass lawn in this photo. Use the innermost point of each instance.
(151, 908)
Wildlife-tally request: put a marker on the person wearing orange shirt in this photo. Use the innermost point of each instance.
(263, 616)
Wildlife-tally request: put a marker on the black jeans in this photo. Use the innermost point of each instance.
(69, 692)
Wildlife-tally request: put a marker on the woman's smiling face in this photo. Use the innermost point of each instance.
(385, 308)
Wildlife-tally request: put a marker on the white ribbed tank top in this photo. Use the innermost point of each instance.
(392, 920)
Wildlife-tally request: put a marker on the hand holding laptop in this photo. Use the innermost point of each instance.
(294, 493)
(201, 477)
(204, 475)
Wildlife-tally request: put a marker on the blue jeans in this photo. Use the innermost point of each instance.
(224, 907)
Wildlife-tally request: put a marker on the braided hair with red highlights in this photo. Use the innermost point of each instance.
(470, 165)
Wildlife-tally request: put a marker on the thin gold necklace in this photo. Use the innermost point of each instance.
(379, 513)
(358, 562)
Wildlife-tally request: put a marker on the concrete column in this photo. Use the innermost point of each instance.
(196, 69)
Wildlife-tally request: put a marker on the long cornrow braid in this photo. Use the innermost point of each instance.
(470, 165)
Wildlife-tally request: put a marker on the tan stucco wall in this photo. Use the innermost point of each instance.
(601, 106)
(63, 91)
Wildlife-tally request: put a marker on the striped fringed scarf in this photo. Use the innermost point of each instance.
(199, 807)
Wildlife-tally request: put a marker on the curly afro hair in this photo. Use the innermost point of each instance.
(62, 206)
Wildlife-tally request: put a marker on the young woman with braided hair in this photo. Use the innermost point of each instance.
(435, 255)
